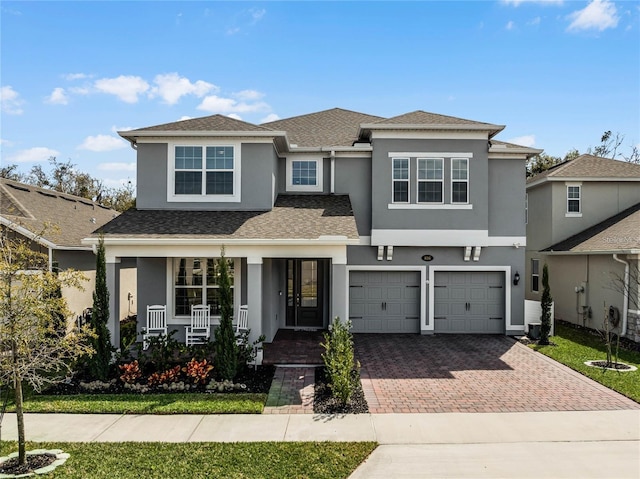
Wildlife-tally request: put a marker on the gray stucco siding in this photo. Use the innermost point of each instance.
(447, 219)
(152, 286)
(540, 217)
(507, 198)
(257, 163)
(353, 177)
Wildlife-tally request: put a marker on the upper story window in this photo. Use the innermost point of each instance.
(459, 180)
(304, 174)
(574, 200)
(430, 180)
(535, 275)
(204, 173)
(401, 180)
(441, 180)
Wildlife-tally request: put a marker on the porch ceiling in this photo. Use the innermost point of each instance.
(293, 217)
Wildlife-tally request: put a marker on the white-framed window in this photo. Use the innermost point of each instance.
(430, 180)
(204, 172)
(400, 187)
(535, 275)
(196, 281)
(304, 174)
(574, 200)
(459, 180)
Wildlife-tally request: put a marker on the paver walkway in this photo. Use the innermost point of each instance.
(403, 373)
(291, 391)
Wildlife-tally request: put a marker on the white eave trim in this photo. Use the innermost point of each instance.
(597, 252)
(576, 179)
(422, 126)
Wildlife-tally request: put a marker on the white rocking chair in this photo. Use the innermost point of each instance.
(156, 323)
(200, 329)
(242, 323)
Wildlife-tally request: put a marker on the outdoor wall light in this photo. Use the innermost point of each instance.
(516, 279)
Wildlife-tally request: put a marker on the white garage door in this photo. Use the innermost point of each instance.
(384, 301)
(469, 302)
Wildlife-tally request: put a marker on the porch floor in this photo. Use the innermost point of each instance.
(294, 347)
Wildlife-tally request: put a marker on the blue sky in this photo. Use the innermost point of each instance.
(557, 73)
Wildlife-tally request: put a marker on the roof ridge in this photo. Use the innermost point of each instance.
(317, 113)
(435, 114)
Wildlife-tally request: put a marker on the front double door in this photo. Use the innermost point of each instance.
(305, 293)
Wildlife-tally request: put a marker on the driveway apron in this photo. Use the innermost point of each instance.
(405, 373)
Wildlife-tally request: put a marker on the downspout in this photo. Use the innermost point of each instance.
(625, 301)
(333, 172)
(50, 260)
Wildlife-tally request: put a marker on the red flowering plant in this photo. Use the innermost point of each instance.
(130, 372)
(198, 371)
(169, 376)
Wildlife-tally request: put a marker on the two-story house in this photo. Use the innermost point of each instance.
(410, 224)
(584, 223)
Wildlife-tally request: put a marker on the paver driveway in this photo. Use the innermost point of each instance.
(404, 373)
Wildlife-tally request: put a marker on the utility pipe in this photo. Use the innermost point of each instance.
(333, 171)
(625, 301)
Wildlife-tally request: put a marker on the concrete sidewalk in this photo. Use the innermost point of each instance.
(535, 444)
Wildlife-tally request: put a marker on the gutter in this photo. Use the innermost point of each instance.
(333, 172)
(625, 301)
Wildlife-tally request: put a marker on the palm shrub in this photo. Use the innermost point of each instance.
(226, 349)
(545, 320)
(339, 360)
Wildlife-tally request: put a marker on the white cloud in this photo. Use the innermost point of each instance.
(109, 183)
(171, 87)
(535, 21)
(117, 166)
(58, 97)
(249, 95)
(256, 14)
(235, 116)
(216, 104)
(127, 88)
(5, 142)
(525, 140)
(80, 90)
(10, 101)
(102, 143)
(185, 117)
(270, 117)
(116, 129)
(510, 25)
(598, 15)
(75, 76)
(517, 3)
(33, 155)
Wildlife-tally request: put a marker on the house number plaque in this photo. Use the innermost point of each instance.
(427, 257)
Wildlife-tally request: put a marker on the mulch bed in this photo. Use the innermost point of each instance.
(324, 403)
(34, 461)
(257, 381)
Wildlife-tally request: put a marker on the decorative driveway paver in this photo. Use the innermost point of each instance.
(406, 373)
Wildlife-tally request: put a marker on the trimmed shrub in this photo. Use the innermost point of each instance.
(339, 360)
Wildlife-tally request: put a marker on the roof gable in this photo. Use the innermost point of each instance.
(205, 123)
(420, 117)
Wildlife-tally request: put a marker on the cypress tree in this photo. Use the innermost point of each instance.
(545, 326)
(99, 362)
(226, 349)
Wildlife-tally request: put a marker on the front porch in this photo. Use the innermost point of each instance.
(291, 347)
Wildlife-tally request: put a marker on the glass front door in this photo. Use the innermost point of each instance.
(305, 279)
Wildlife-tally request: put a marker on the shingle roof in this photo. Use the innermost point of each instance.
(292, 217)
(61, 219)
(205, 123)
(420, 117)
(335, 127)
(619, 232)
(589, 166)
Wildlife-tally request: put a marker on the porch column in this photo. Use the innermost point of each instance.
(254, 296)
(339, 290)
(113, 285)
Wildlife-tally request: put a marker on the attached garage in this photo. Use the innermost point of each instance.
(384, 301)
(469, 302)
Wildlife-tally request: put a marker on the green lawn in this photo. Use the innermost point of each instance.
(574, 347)
(309, 460)
(188, 403)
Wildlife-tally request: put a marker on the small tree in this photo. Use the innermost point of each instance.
(339, 360)
(226, 349)
(547, 300)
(98, 364)
(33, 348)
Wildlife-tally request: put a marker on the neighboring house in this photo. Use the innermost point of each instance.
(409, 224)
(57, 222)
(584, 222)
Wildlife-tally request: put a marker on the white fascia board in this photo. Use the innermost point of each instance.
(430, 135)
(26, 233)
(429, 154)
(190, 134)
(442, 238)
(322, 240)
(632, 251)
(434, 126)
(575, 179)
(348, 149)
